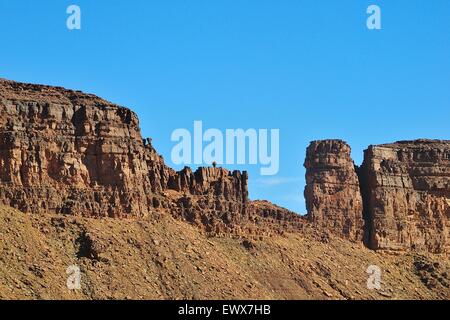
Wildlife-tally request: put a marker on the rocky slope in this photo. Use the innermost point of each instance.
(161, 257)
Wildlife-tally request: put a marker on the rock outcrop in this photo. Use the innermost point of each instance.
(407, 195)
(402, 192)
(67, 152)
(266, 214)
(211, 197)
(332, 192)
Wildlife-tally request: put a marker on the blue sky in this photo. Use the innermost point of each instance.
(309, 68)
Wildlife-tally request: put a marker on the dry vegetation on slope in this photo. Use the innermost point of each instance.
(160, 257)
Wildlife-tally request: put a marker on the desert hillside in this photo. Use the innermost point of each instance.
(82, 190)
(160, 257)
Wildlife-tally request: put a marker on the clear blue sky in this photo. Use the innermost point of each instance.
(310, 68)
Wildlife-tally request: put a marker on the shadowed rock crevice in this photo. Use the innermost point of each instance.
(368, 219)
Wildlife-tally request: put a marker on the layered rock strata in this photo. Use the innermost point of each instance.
(332, 192)
(407, 195)
(68, 152)
(401, 191)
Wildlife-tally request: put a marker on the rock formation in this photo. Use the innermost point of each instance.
(407, 195)
(66, 152)
(212, 197)
(403, 193)
(332, 192)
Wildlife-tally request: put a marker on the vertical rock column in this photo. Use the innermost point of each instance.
(332, 193)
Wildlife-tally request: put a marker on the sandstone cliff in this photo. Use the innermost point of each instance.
(70, 158)
(66, 152)
(407, 193)
(332, 192)
(402, 191)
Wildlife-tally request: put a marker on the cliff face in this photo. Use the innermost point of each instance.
(408, 195)
(67, 152)
(403, 192)
(211, 197)
(332, 192)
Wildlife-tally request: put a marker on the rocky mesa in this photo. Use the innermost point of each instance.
(406, 186)
(399, 199)
(66, 152)
(98, 195)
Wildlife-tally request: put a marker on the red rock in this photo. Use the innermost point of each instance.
(332, 191)
(408, 195)
(63, 151)
(67, 152)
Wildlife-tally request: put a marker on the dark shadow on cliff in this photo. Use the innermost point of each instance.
(368, 221)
